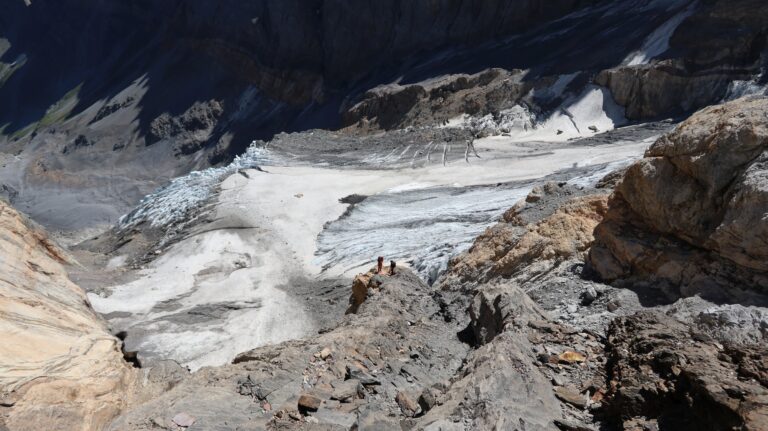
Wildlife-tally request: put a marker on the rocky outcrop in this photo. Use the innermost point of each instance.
(720, 42)
(396, 363)
(665, 88)
(59, 367)
(657, 381)
(515, 244)
(191, 130)
(437, 101)
(692, 212)
(363, 286)
(501, 386)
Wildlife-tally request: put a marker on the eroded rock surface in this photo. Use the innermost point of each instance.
(59, 367)
(692, 212)
(516, 243)
(665, 374)
(438, 101)
(394, 348)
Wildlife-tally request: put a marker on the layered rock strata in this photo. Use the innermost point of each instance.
(59, 367)
(718, 43)
(691, 213)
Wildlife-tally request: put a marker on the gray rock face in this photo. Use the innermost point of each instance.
(292, 50)
(190, 130)
(501, 386)
(423, 104)
(720, 42)
(492, 309)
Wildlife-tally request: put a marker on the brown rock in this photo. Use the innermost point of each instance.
(407, 405)
(308, 402)
(693, 381)
(325, 353)
(503, 250)
(692, 211)
(58, 357)
(361, 289)
(571, 357)
(571, 397)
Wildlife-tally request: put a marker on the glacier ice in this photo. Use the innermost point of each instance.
(176, 201)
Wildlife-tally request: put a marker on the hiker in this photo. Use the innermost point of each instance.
(392, 266)
(380, 266)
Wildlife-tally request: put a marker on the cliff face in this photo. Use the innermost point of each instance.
(145, 91)
(706, 233)
(273, 44)
(113, 98)
(58, 364)
(284, 65)
(342, 42)
(718, 43)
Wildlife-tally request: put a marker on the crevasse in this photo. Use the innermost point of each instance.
(174, 202)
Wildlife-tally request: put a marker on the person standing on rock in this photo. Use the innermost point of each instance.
(392, 266)
(380, 265)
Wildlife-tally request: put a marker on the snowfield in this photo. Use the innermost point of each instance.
(226, 286)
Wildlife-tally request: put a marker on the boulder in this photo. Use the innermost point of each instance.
(346, 390)
(408, 406)
(359, 291)
(309, 402)
(571, 396)
(493, 308)
(692, 211)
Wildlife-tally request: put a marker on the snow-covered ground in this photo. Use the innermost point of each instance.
(226, 287)
(589, 113)
(657, 43)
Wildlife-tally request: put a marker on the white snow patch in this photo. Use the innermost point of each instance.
(593, 111)
(238, 270)
(587, 114)
(409, 187)
(657, 43)
(738, 89)
(557, 88)
(117, 262)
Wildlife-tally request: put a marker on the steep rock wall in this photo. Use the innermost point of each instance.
(58, 364)
(693, 211)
